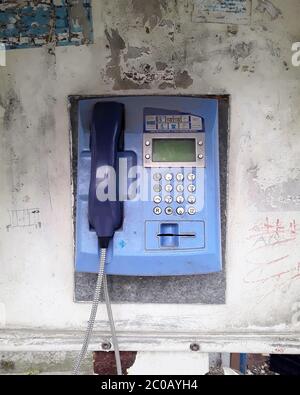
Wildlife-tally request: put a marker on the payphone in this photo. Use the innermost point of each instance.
(148, 196)
(148, 185)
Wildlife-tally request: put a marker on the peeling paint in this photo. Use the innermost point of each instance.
(128, 68)
(151, 11)
(136, 52)
(32, 24)
(266, 6)
(80, 21)
(241, 51)
(284, 196)
(113, 68)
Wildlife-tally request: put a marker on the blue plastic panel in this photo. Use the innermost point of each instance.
(148, 244)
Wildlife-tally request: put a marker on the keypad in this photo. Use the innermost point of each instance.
(191, 177)
(169, 176)
(157, 188)
(180, 188)
(180, 210)
(191, 210)
(172, 193)
(191, 188)
(157, 210)
(191, 199)
(157, 199)
(179, 177)
(168, 188)
(169, 210)
(157, 176)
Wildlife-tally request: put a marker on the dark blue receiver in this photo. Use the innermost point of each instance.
(106, 132)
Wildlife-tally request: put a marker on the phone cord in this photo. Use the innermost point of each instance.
(101, 279)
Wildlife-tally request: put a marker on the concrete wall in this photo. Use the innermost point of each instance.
(154, 47)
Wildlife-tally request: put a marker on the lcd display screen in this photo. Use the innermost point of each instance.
(173, 150)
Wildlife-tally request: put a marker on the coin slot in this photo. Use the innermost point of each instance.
(169, 235)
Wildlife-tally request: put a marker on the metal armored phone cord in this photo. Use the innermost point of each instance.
(112, 327)
(100, 280)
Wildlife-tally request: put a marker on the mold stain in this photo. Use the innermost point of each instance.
(12, 105)
(183, 79)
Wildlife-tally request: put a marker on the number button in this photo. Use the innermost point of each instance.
(180, 210)
(157, 199)
(157, 188)
(191, 199)
(191, 188)
(169, 211)
(157, 210)
(156, 176)
(180, 199)
(179, 177)
(168, 188)
(179, 188)
(168, 199)
(169, 176)
(191, 177)
(192, 210)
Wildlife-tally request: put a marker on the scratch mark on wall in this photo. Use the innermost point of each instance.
(268, 258)
(24, 218)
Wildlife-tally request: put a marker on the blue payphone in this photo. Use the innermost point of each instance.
(148, 185)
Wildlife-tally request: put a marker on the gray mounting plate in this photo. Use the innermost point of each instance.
(198, 289)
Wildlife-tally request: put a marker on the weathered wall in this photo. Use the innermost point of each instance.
(154, 47)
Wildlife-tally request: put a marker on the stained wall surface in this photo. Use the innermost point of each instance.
(157, 47)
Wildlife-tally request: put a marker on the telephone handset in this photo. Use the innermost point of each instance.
(106, 133)
(105, 216)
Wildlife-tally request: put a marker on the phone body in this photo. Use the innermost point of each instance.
(163, 210)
